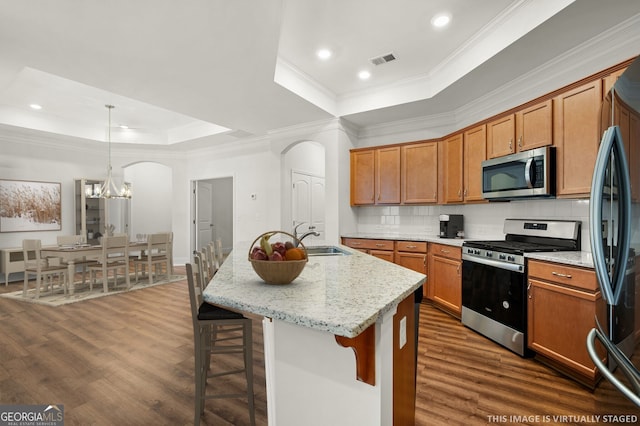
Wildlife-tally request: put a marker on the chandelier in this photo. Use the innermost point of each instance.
(109, 189)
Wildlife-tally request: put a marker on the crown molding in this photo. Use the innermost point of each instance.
(609, 48)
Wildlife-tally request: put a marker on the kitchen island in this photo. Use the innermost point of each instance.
(339, 340)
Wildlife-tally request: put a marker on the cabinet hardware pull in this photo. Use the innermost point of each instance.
(378, 196)
(379, 245)
(444, 251)
(459, 192)
(411, 247)
(465, 192)
(355, 243)
(511, 144)
(424, 260)
(529, 290)
(558, 274)
(520, 142)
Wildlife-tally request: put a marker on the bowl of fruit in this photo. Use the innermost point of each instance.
(277, 260)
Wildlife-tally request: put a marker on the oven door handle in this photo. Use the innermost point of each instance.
(495, 263)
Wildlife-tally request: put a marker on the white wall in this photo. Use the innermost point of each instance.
(152, 194)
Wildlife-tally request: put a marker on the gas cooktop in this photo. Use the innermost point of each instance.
(533, 235)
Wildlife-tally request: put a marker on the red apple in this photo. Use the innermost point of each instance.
(279, 247)
(259, 254)
(276, 256)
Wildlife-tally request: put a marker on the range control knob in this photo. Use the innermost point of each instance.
(489, 254)
(511, 258)
(502, 257)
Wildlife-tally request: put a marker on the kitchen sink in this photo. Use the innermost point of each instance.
(326, 251)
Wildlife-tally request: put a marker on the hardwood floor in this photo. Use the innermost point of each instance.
(128, 359)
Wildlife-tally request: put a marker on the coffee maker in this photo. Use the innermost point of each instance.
(451, 225)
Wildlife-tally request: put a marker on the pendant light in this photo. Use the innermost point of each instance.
(109, 188)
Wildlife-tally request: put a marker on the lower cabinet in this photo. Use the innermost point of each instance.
(412, 255)
(382, 249)
(563, 302)
(444, 286)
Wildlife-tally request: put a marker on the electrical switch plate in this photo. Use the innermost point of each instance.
(403, 332)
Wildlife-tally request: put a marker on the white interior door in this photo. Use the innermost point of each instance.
(317, 205)
(307, 200)
(204, 214)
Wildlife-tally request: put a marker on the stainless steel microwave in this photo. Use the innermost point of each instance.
(522, 175)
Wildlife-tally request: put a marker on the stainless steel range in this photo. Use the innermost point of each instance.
(494, 275)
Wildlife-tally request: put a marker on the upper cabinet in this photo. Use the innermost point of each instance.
(576, 135)
(528, 128)
(534, 126)
(388, 175)
(419, 168)
(363, 188)
(452, 169)
(375, 176)
(475, 152)
(500, 134)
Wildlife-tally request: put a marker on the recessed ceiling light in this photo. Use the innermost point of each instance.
(324, 54)
(364, 75)
(441, 20)
(35, 106)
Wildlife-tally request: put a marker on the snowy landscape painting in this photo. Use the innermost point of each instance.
(29, 206)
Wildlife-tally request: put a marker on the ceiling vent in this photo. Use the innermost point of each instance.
(383, 59)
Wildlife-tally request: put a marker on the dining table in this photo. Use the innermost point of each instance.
(72, 253)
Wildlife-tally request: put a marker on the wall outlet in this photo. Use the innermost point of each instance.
(254, 196)
(403, 332)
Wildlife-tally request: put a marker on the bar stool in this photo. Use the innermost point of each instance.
(211, 326)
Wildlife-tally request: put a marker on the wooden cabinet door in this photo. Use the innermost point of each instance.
(452, 158)
(446, 280)
(388, 175)
(559, 319)
(534, 126)
(420, 173)
(576, 136)
(363, 177)
(500, 135)
(414, 261)
(475, 152)
(383, 254)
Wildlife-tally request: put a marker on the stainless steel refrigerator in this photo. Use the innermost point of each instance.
(614, 231)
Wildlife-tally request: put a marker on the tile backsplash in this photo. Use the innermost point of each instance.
(481, 221)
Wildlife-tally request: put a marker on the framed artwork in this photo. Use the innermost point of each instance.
(30, 206)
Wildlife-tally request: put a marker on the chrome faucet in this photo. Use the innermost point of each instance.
(305, 235)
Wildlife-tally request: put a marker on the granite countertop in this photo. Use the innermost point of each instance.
(575, 258)
(428, 238)
(342, 295)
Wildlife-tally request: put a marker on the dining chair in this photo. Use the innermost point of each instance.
(219, 253)
(156, 254)
(73, 240)
(114, 256)
(43, 268)
(212, 260)
(217, 331)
